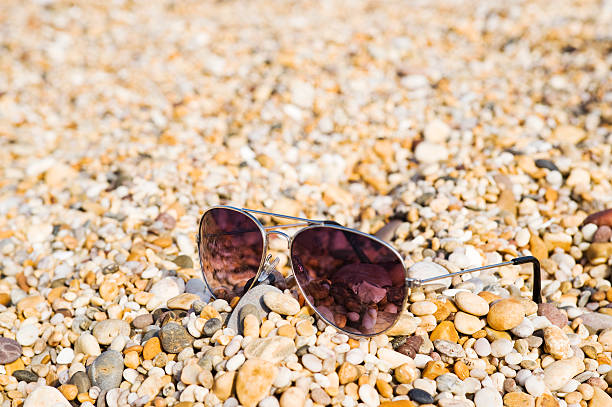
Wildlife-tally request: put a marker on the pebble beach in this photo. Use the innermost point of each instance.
(464, 133)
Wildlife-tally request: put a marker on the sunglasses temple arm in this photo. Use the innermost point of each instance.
(537, 278)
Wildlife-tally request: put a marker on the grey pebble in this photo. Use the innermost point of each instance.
(81, 381)
(106, 370)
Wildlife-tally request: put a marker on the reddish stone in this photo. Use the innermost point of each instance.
(600, 218)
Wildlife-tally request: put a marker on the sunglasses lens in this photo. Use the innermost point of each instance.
(355, 282)
(231, 250)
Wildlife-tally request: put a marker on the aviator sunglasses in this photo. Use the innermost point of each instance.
(354, 281)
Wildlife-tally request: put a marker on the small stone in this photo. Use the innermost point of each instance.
(557, 374)
(423, 308)
(174, 337)
(150, 387)
(433, 369)
(488, 397)
(600, 399)
(471, 303)
(319, 396)
(448, 382)
(348, 373)
(211, 326)
(436, 131)
(393, 358)
(283, 304)
(557, 343)
(182, 301)
(167, 288)
(406, 373)
(10, 350)
(25, 375)
(501, 347)
(429, 153)
(449, 349)
(292, 397)
(224, 383)
(369, 395)
(599, 253)
(312, 363)
(482, 347)
(46, 396)
(518, 399)
(151, 348)
(27, 334)
(411, 346)
(420, 396)
(468, 324)
(445, 331)
(272, 349)
(250, 326)
(602, 234)
(106, 370)
(81, 381)
(183, 261)
(505, 314)
(405, 325)
(142, 321)
(108, 291)
(600, 218)
(65, 356)
(69, 391)
(596, 321)
(107, 330)
(553, 314)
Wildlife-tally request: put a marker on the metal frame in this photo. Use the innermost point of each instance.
(307, 224)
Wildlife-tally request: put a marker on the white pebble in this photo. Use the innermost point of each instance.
(65, 356)
(235, 362)
(355, 356)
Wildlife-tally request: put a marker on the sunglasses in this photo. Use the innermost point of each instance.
(352, 280)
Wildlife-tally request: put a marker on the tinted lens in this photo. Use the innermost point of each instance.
(231, 250)
(352, 280)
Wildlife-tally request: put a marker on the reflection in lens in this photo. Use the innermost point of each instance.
(231, 249)
(354, 281)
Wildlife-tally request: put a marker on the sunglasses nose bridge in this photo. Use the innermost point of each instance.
(279, 233)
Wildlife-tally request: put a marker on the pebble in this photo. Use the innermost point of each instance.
(557, 343)
(553, 314)
(501, 347)
(420, 396)
(369, 395)
(558, 373)
(81, 381)
(65, 356)
(312, 363)
(107, 330)
(281, 303)
(254, 380)
(174, 337)
(468, 324)
(505, 314)
(10, 350)
(471, 303)
(25, 375)
(106, 370)
(482, 347)
(488, 397)
(212, 326)
(273, 349)
(45, 396)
